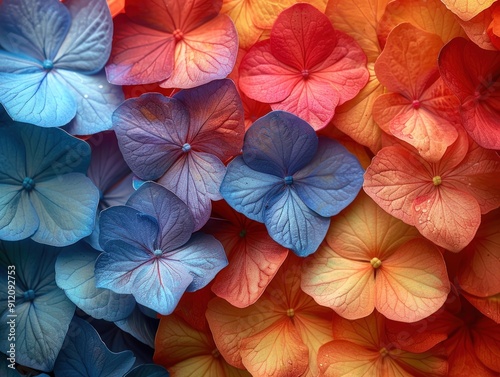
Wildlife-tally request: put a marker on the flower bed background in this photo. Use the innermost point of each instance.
(235, 188)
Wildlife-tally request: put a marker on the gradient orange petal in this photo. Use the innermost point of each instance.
(276, 351)
(431, 16)
(241, 12)
(341, 358)
(466, 9)
(477, 28)
(489, 306)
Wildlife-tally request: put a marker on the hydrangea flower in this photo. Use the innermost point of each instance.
(150, 251)
(291, 181)
(52, 57)
(45, 193)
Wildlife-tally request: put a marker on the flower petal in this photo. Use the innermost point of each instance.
(215, 118)
(140, 54)
(66, 206)
(276, 351)
(205, 54)
(448, 217)
(38, 97)
(247, 190)
(87, 45)
(95, 99)
(173, 216)
(341, 358)
(75, 275)
(34, 28)
(195, 178)
(302, 37)
(466, 9)
(294, 225)
(412, 283)
(151, 131)
(279, 143)
(347, 286)
(331, 181)
(263, 77)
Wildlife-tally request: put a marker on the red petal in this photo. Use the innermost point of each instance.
(486, 338)
(302, 37)
(478, 270)
(140, 55)
(489, 306)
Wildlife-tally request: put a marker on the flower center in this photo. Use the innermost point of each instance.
(158, 252)
(437, 180)
(375, 262)
(305, 74)
(290, 312)
(47, 64)
(383, 351)
(416, 104)
(215, 353)
(288, 180)
(178, 35)
(29, 295)
(186, 148)
(243, 233)
(28, 184)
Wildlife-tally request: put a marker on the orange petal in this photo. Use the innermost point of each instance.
(430, 15)
(486, 337)
(489, 306)
(355, 118)
(477, 28)
(409, 61)
(276, 351)
(360, 20)
(240, 12)
(412, 283)
(466, 9)
(367, 332)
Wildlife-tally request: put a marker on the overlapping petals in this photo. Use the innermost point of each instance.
(51, 74)
(305, 70)
(180, 44)
(150, 251)
(283, 180)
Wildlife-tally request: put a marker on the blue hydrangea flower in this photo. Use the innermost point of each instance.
(42, 310)
(150, 251)
(44, 192)
(291, 181)
(52, 56)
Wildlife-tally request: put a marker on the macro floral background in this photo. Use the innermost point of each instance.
(249, 188)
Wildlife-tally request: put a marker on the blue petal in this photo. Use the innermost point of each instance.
(88, 43)
(331, 181)
(155, 282)
(85, 354)
(123, 223)
(294, 225)
(66, 206)
(203, 256)
(149, 370)
(35, 28)
(279, 143)
(75, 275)
(43, 310)
(195, 178)
(174, 218)
(140, 326)
(52, 152)
(151, 131)
(95, 100)
(39, 97)
(18, 217)
(13, 63)
(247, 190)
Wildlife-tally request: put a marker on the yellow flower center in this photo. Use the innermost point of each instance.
(375, 262)
(437, 180)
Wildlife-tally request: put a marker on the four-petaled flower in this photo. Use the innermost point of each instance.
(290, 180)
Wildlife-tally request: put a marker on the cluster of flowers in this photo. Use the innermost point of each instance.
(250, 187)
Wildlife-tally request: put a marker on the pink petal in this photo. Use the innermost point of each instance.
(205, 53)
